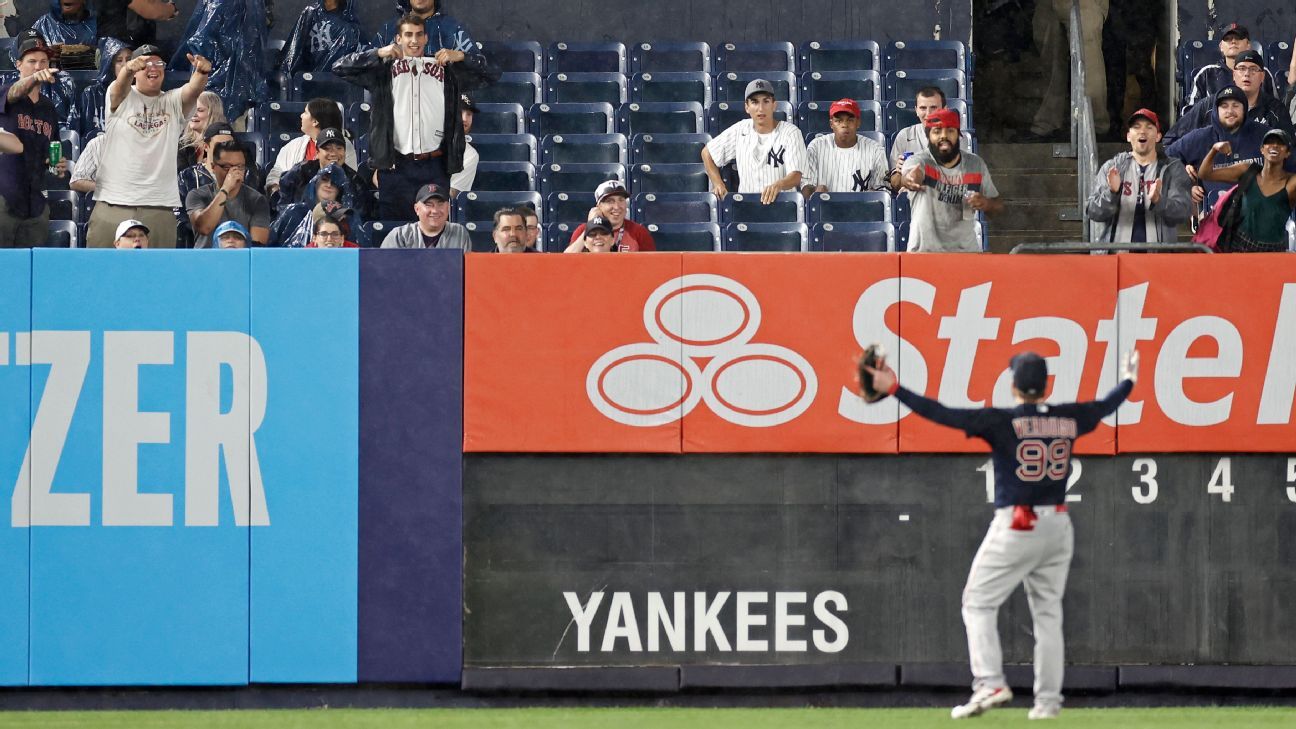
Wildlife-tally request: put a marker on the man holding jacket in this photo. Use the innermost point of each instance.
(416, 134)
(1140, 196)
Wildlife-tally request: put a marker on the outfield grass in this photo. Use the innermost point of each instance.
(645, 718)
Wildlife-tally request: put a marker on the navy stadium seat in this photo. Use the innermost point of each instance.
(900, 113)
(900, 209)
(504, 147)
(880, 138)
(361, 148)
(545, 119)
(673, 207)
(482, 237)
(833, 85)
(6, 48)
(499, 119)
(812, 116)
(357, 118)
(583, 148)
(669, 178)
(63, 205)
(558, 236)
(748, 208)
(309, 85)
(853, 237)
(514, 56)
(660, 118)
(278, 117)
(257, 143)
(667, 148)
(918, 54)
(841, 55)
(904, 84)
(762, 57)
(671, 86)
(71, 144)
(670, 56)
(378, 230)
(504, 176)
(766, 237)
(586, 58)
(685, 236)
(732, 85)
(568, 207)
(585, 88)
(477, 207)
(579, 178)
(849, 207)
(1278, 58)
(722, 115)
(62, 234)
(512, 88)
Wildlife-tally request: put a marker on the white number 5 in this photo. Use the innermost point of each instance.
(1291, 478)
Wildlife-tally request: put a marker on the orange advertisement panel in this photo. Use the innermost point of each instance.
(963, 317)
(1217, 335)
(558, 355)
(775, 337)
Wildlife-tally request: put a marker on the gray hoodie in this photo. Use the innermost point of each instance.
(1174, 208)
(408, 236)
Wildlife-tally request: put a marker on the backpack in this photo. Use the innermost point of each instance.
(1221, 225)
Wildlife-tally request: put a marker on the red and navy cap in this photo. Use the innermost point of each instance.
(1237, 30)
(1144, 114)
(943, 119)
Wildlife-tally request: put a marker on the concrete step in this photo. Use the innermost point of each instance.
(1003, 241)
(1019, 184)
(1034, 157)
(1030, 214)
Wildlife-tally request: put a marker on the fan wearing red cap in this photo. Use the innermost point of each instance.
(1141, 196)
(948, 186)
(844, 161)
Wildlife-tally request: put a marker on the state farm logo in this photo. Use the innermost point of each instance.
(702, 327)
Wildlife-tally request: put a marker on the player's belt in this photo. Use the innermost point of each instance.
(422, 156)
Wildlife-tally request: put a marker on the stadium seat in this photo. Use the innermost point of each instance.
(900, 113)
(71, 143)
(504, 177)
(477, 207)
(761, 57)
(482, 236)
(586, 58)
(660, 118)
(722, 115)
(905, 84)
(585, 88)
(1193, 54)
(900, 209)
(361, 148)
(583, 148)
(578, 178)
(62, 234)
(673, 207)
(732, 86)
(766, 237)
(568, 207)
(512, 88)
(514, 56)
(647, 149)
(812, 116)
(499, 119)
(918, 54)
(830, 86)
(376, 231)
(504, 147)
(849, 207)
(685, 236)
(748, 208)
(1278, 58)
(63, 205)
(671, 86)
(274, 118)
(308, 85)
(357, 118)
(842, 55)
(82, 79)
(6, 48)
(670, 56)
(545, 119)
(669, 178)
(853, 237)
(257, 143)
(557, 236)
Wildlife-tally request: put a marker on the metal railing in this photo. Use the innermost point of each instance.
(1110, 248)
(1083, 136)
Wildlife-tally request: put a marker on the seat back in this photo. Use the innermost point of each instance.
(480, 207)
(842, 55)
(670, 56)
(578, 178)
(849, 207)
(660, 118)
(748, 208)
(514, 56)
(308, 85)
(656, 86)
(766, 237)
(853, 237)
(829, 86)
(722, 114)
(731, 86)
(585, 88)
(667, 148)
(586, 58)
(904, 84)
(673, 207)
(669, 178)
(916, 54)
(504, 177)
(568, 207)
(545, 119)
(760, 57)
(524, 89)
(504, 147)
(499, 119)
(583, 148)
(686, 236)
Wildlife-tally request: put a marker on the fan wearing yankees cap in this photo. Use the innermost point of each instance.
(948, 186)
(1248, 75)
(770, 154)
(1141, 196)
(131, 234)
(844, 161)
(1234, 41)
(462, 181)
(331, 149)
(612, 204)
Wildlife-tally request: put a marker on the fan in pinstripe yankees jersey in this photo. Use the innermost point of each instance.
(844, 161)
(770, 154)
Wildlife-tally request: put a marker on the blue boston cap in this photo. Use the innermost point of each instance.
(1030, 374)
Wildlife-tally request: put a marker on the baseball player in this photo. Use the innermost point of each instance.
(844, 161)
(1030, 538)
(770, 154)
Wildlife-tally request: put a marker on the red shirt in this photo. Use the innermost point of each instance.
(631, 237)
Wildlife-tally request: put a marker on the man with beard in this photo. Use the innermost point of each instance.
(1140, 196)
(947, 187)
(612, 201)
(1248, 75)
(510, 232)
(1228, 123)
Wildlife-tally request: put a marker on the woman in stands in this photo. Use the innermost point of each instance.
(207, 112)
(1268, 196)
(320, 114)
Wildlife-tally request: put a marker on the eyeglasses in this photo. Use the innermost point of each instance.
(1249, 70)
(155, 64)
(228, 167)
(329, 236)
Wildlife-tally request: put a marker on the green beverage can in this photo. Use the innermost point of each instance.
(55, 153)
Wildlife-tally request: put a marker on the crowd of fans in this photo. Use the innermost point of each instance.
(165, 168)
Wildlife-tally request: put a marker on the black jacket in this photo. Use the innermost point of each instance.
(1268, 111)
(367, 70)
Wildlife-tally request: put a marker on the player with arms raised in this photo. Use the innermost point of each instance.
(1030, 538)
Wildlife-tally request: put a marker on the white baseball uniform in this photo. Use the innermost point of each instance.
(418, 104)
(860, 168)
(762, 159)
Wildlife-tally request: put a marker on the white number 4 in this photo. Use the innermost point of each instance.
(1222, 480)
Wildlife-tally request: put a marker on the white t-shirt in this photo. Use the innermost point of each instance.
(463, 180)
(940, 219)
(138, 161)
(762, 159)
(861, 168)
(418, 105)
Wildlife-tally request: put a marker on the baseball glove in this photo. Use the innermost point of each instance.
(873, 357)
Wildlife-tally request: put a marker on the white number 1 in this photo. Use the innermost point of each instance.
(1076, 469)
(988, 469)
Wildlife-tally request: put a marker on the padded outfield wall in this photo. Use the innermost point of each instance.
(407, 466)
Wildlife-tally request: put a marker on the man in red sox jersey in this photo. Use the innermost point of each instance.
(416, 134)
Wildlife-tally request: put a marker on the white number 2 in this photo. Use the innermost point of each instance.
(1148, 478)
(1222, 480)
(1076, 469)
